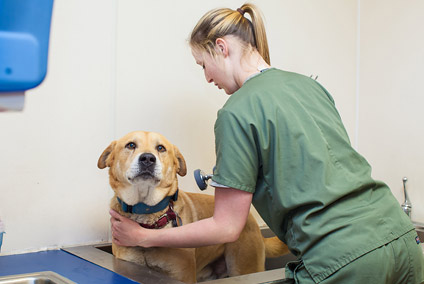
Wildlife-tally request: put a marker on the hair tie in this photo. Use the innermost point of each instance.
(241, 11)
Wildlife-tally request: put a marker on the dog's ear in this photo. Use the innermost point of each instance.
(103, 160)
(181, 164)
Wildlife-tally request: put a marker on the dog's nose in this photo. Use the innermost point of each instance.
(147, 159)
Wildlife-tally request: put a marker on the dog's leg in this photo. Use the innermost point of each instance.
(179, 264)
(240, 261)
(246, 255)
(131, 254)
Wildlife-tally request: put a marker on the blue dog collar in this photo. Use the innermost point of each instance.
(142, 208)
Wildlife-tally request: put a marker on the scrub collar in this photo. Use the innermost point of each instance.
(256, 74)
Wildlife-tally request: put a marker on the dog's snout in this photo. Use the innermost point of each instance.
(147, 159)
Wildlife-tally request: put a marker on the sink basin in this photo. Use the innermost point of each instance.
(270, 263)
(101, 254)
(419, 227)
(44, 277)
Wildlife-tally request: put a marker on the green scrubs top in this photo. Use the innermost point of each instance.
(281, 138)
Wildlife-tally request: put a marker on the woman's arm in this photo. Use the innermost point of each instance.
(230, 214)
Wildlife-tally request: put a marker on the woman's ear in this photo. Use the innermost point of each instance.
(221, 46)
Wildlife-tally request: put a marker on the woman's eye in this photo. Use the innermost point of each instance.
(131, 146)
(161, 148)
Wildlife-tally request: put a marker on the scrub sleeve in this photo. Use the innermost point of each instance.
(281, 137)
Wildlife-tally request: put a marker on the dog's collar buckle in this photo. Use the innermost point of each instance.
(169, 216)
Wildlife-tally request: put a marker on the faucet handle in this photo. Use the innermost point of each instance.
(406, 205)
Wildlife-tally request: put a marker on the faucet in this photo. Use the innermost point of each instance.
(406, 205)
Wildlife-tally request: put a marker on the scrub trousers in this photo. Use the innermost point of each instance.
(398, 262)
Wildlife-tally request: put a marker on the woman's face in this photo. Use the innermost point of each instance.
(215, 70)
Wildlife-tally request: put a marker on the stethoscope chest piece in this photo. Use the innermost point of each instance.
(201, 179)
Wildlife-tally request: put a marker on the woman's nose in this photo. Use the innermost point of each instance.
(208, 79)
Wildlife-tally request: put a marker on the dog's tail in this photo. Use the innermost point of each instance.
(274, 247)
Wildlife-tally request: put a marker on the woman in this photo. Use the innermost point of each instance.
(281, 145)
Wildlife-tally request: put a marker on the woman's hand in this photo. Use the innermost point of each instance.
(125, 232)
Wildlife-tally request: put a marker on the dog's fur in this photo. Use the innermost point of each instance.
(134, 183)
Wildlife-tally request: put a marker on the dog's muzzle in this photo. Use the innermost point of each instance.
(147, 164)
(144, 168)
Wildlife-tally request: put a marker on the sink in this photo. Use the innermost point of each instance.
(419, 228)
(270, 263)
(101, 254)
(44, 277)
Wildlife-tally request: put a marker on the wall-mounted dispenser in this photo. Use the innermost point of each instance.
(24, 42)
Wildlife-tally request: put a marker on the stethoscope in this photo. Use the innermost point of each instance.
(202, 178)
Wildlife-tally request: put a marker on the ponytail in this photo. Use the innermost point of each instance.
(258, 26)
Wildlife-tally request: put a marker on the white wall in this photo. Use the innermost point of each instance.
(52, 193)
(118, 66)
(391, 116)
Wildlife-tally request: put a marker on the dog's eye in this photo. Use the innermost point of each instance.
(131, 146)
(161, 148)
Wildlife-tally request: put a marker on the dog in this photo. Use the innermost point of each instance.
(143, 168)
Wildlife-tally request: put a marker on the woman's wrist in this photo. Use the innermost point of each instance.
(145, 239)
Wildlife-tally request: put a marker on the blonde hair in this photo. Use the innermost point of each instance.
(221, 22)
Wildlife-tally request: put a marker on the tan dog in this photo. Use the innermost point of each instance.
(143, 173)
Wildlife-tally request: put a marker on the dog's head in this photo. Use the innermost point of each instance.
(143, 167)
